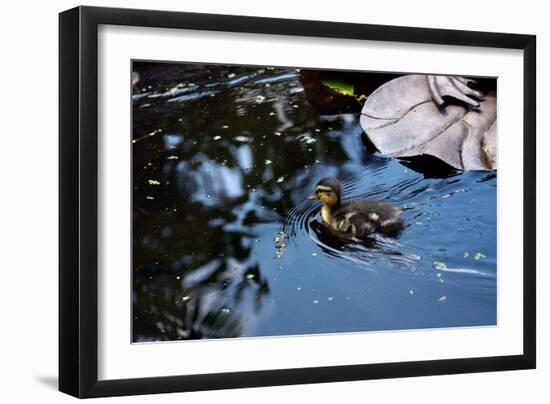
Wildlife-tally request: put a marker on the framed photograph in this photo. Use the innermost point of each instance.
(252, 201)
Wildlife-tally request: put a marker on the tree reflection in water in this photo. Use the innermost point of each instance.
(217, 150)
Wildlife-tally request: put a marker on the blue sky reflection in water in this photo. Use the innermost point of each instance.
(226, 245)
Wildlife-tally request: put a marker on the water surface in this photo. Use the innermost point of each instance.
(226, 245)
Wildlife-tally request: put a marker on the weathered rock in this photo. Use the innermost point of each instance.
(402, 120)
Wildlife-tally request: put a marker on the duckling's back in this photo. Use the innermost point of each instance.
(363, 217)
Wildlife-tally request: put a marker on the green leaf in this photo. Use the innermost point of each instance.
(339, 87)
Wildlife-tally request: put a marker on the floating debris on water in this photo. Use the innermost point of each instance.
(442, 299)
(172, 158)
(149, 197)
(231, 75)
(179, 86)
(249, 276)
(479, 255)
(280, 179)
(154, 182)
(314, 254)
(299, 288)
(260, 99)
(267, 162)
(439, 265)
(411, 292)
(466, 255)
(225, 310)
(272, 113)
(277, 133)
(225, 127)
(150, 134)
(280, 244)
(307, 139)
(185, 298)
(330, 298)
(217, 137)
(242, 139)
(316, 301)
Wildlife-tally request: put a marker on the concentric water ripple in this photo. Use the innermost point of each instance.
(415, 195)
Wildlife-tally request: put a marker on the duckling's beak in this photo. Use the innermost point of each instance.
(313, 197)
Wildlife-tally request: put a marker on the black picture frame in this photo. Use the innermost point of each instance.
(78, 201)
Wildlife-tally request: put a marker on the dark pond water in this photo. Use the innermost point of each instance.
(226, 245)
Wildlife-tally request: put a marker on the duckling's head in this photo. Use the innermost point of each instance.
(327, 191)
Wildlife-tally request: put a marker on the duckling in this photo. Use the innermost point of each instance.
(358, 217)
